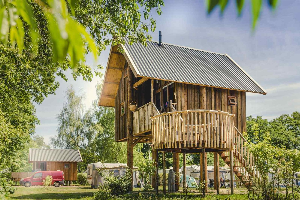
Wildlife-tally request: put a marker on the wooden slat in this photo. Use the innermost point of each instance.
(141, 81)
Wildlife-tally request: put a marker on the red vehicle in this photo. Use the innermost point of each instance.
(38, 178)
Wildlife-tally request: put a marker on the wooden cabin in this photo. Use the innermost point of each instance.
(180, 100)
(56, 159)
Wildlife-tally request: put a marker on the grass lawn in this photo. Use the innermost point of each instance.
(63, 192)
(81, 192)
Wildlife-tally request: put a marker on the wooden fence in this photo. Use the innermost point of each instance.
(193, 129)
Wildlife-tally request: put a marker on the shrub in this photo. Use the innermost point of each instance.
(47, 181)
(119, 185)
(114, 186)
(82, 179)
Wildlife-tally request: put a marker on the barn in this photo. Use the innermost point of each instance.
(56, 159)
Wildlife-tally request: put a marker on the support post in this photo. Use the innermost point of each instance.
(154, 158)
(216, 172)
(184, 174)
(129, 127)
(164, 173)
(152, 90)
(203, 171)
(176, 169)
(231, 172)
(156, 170)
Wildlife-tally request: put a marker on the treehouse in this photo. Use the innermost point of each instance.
(181, 100)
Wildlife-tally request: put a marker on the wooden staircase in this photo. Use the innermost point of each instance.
(243, 164)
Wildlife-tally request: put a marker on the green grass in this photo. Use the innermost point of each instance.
(63, 192)
(84, 192)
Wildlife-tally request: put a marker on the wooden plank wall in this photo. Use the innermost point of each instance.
(70, 174)
(121, 100)
(191, 97)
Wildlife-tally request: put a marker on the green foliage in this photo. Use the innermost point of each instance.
(82, 178)
(146, 170)
(281, 164)
(114, 186)
(256, 6)
(283, 131)
(69, 20)
(89, 131)
(48, 181)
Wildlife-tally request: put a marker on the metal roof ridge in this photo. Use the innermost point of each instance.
(188, 48)
(265, 92)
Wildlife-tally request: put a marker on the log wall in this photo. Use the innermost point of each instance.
(191, 97)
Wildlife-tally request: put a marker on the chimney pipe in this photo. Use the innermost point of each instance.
(160, 37)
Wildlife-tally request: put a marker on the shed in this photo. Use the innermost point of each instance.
(56, 159)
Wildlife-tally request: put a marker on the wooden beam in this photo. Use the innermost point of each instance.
(154, 156)
(216, 172)
(231, 172)
(203, 171)
(141, 81)
(176, 169)
(152, 90)
(157, 175)
(129, 127)
(164, 173)
(184, 174)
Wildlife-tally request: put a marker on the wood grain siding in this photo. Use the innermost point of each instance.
(191, 97)
(69, 173)
(121, 108)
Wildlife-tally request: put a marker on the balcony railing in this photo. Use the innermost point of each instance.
(142, 118)
(193, 129)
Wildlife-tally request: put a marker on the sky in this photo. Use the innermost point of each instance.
(270, 54)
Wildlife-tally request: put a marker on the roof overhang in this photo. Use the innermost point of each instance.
(112, 77)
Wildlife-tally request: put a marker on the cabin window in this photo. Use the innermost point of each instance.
(232, 100)
(43, 166)
(67, 166)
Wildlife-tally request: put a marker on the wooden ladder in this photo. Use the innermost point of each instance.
(244, 165)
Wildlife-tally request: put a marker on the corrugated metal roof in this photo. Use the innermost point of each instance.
(100, 165)
(54, 155)
(187, 65)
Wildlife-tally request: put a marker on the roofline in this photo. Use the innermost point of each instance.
(130, 61)
(219, 87)
(111, 47)
(265, 92)
(190, 48)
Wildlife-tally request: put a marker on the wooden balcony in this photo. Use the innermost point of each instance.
(193, 129)
(142, 122)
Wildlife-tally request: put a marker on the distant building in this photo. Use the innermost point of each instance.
(56, 159)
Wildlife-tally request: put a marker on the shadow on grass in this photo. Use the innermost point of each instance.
(56, 196)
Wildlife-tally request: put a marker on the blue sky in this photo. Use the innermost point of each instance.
(271, 54)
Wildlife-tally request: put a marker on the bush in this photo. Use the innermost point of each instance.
(114, 186)
(82, 179)
(47, 181)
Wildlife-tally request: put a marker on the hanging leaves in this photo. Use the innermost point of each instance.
(255, 7)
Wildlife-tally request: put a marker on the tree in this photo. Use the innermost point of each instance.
(68, 21)
(91, 131)
(283, 131)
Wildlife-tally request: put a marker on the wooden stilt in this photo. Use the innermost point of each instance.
(184, 174)
(154, 157)
(156, 170)
(203, 171)
(231, 172)
(176, 169)
(216, 172)
(164, 173)
(129, 127)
